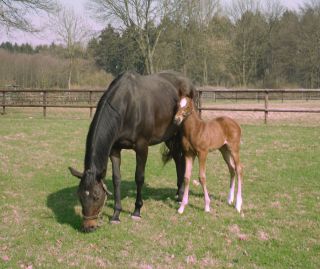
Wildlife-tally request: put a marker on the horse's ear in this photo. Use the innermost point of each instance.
(75, 173)
(186, 89)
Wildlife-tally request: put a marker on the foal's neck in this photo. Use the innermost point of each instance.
(192, 122)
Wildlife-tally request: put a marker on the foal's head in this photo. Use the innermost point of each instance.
(185, 108)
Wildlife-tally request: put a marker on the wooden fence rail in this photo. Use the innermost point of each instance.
(260, 92)
(88, 98)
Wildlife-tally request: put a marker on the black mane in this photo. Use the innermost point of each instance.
(102, 131)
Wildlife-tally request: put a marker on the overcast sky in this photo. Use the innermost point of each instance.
(79, 6)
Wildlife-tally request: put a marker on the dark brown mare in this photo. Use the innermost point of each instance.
(198, 138)
(135, 112)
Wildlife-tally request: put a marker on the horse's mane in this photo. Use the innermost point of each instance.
(102, 131)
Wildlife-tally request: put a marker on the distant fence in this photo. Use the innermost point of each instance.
(258, 95)
(45, 98)
(88, 98)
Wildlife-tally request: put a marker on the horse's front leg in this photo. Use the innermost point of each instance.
(115, 158)
(141, 159)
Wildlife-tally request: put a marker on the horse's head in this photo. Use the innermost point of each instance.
(92, 193)
(185, 108)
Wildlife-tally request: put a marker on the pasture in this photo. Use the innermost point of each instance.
(40, 215)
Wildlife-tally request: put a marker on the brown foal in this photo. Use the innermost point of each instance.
(200, 137)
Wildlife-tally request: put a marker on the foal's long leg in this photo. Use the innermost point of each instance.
(115, 158)
(187, 176)
(202, 177)
(238, 166)
(226, 154)
(141, 159)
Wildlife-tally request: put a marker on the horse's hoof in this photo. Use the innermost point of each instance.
(136, 218)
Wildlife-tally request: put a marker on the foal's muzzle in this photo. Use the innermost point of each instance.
(178, 120)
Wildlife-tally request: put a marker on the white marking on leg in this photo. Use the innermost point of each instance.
(206, 200)
(186, 184)
(239, 196)
(231, 192)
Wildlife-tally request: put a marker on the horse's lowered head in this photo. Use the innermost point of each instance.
(92, 193)
(185, 108)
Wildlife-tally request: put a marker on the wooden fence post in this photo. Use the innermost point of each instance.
(3, 102)
(90, 100)
(44, 101)
(266, 105)
(199, 102)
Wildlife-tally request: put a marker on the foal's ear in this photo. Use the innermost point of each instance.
(75, 173)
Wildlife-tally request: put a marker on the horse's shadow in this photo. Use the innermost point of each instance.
(63, 202)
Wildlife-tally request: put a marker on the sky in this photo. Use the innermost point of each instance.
(47, 37)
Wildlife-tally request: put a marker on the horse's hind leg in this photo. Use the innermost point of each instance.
(141, 159)
(187, 176)
(175, 149)
(115, 158)
(202, 177)
(226, 154)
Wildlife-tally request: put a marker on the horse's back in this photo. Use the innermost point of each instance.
(146, 105)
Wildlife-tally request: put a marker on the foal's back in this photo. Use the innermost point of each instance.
(221, 131)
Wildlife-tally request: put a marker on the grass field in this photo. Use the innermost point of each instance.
(40, 214)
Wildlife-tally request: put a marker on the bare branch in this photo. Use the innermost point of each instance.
(16, 14)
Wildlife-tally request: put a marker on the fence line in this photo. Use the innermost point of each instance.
(88, 98)
(266, 93)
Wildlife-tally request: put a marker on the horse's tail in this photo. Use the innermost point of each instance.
(172, 148)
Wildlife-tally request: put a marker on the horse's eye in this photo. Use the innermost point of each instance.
(95, 196)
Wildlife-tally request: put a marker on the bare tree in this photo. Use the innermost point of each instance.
(16, 14)
(73, 32)
(143, 16)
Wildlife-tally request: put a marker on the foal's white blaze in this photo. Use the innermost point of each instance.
(183, 102)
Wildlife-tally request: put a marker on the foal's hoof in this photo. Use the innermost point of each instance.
(180, 210)
(115, 221)
(136, 218)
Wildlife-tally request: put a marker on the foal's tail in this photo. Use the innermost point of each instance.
(172, 149)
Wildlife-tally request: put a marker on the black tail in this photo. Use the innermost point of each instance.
(172, 149)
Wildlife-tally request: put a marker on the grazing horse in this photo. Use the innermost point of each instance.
(134, 112)
(200, 137)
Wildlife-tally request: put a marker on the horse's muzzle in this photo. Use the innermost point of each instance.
(89, 226)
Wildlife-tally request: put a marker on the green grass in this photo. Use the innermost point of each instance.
(40, 220)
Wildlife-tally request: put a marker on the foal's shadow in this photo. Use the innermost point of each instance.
(63, 202)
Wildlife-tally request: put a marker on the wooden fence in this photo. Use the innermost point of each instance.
(258, 95)
(44, 98)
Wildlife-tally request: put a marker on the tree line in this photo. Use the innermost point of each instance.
(254, 45)
(249, 43)
(47, 66)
